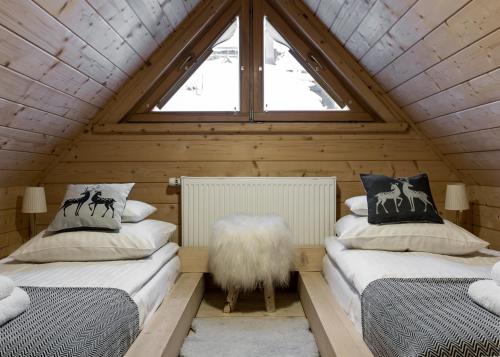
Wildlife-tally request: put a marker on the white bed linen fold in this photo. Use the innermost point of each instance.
(486, 293)
(6, 287)
(13, 305)
(345, 294)
(145, 280)
(361, 267)
(495, 273)
(149, 298)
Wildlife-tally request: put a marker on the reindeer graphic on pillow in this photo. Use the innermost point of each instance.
(76, 201)
(395, 195)
(412, 194)
(98, 200)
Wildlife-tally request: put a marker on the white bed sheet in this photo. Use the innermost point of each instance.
(349, 271)
(345, 294)
(147, 280)
(361, 267)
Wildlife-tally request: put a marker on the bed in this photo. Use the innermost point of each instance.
(132, 290)
(395, 300)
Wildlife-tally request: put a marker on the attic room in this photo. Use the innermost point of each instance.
(204, 178)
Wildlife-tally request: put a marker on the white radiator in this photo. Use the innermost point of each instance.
(306, 203)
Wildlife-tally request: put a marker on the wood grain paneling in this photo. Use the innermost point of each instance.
(351, 13)
(20, 140)
(122, 18)
(60, 62)
(79, 17)
(35, 25)
(422, 18)
(468, 25)
(201, 151)
(24, 57)
(439, 60)
(13, 223)
(377, 22)
(151, 160)
(15, 115)
(153, 18)
(486, 213)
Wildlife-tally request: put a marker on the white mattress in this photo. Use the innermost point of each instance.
(349, 271)
(147, 281)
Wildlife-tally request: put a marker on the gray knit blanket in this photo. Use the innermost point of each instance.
(72, 322)
(427, 317)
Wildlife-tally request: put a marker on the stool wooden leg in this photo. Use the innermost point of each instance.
(269, 296)
(232, 298)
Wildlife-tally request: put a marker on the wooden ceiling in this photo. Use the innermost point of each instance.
(439, 60)
(61, 61)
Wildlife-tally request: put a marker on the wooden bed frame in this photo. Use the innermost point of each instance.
(334, 332)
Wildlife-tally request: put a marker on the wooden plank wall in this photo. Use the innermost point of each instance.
(13, 224)
(60, 62)
(439, 61)
(485, 212)
(149, 160)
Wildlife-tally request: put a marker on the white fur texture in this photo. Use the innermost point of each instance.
(246, 250)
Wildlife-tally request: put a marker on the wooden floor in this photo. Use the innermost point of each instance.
(251, 305)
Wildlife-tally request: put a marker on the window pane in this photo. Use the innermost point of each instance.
(287, 84)
(215, 85)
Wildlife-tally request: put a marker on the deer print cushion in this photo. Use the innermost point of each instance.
(400, 199)
(97, 206)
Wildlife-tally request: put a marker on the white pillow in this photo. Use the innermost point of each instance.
(347, 222)
(133, 241)
(136, 211)
(448, 238)
(358, 205)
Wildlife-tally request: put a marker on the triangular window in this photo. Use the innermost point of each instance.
(288, 86)
(214, 85)
(249, 66)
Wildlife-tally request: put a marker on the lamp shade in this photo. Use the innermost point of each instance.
(34, 200)
(456, 197)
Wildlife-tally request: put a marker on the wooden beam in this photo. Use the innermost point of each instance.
(186, 117)
(273, 116)
(167, 54)
(307, 258)
(313, 116)
(250, 128)
(164, 334)
(299, 15)
(334, 332)
(151, 177)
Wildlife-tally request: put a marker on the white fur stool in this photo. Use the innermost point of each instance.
(246, 251)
